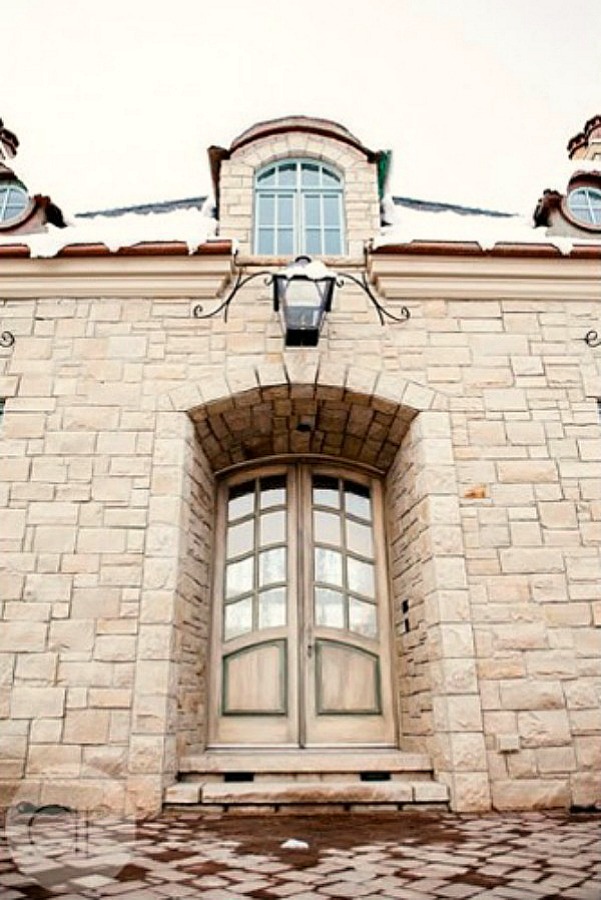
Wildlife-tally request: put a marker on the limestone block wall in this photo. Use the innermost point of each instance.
(194, 607)
(405, 529)
(524, 396)
(106, 499)
(441, 708)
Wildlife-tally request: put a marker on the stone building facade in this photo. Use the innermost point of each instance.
(477, 421)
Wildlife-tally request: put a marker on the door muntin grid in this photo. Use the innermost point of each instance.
(344, 572)
(256, 565)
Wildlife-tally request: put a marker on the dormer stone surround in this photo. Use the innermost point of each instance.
(234, 169)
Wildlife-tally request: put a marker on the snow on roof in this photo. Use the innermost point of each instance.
(177, 221)
(408, 220)
(412, 221)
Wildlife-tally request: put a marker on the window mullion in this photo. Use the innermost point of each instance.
(300, 237)
(322, 223)
(589, 203)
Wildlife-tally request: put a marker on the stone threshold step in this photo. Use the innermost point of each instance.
(298, 792)
(284, 761)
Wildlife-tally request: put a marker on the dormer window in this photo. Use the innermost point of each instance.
(584, 203)
(14, 201)
(299, 209)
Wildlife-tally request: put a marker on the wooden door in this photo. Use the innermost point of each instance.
(301, 641)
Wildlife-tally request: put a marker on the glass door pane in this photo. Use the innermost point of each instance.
(343, 555)
(256, 556)
(255, 670)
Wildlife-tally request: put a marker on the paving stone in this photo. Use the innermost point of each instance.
(507, 857)
(249, 886)
(288, 889)
(346, 889)
(527, 888)
(427, 884)
(457, 890)
(176, 890)
(308, 895)
(220, 894)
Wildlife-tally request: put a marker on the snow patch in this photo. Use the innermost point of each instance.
(294, 844)
(189, 226)
(409, 225)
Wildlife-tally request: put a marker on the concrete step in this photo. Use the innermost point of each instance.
(297, 793)
(302, 761)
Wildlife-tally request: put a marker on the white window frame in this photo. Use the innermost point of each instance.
(8, 188)
(299, 194)
(588, 199)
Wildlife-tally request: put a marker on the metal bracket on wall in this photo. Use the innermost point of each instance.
(592, 338)
(7, 339)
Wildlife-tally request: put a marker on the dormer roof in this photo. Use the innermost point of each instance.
(272, 128)
(579, 146)
(30, 214)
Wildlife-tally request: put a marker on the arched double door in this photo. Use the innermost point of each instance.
(301, 625)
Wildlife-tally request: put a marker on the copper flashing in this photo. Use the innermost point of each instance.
(582, 138)
(158, 248)
(584, 178)
(9, 142)
(446, 248)
(548, 203)
(14, 251)
(304, 124)
(216, 157)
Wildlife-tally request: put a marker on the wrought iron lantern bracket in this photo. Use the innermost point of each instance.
(363, 283)
(323, 282)
(241, 280)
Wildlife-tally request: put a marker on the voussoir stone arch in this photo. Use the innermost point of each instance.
(359, 415)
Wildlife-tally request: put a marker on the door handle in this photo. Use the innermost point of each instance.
(310, 642)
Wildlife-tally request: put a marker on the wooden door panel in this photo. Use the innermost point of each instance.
(347, 680)
(300, 646)
(254, 680)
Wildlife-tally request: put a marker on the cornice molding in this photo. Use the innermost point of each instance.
(425, 277)
(115, 276)
(396, 275)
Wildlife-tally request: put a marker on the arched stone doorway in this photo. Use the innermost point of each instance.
(400, 431)
(292, 426)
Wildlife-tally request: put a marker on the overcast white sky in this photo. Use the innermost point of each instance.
(115, 102)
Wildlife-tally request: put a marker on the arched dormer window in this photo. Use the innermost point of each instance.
(299, 209)
(14, 202)
(584, 203)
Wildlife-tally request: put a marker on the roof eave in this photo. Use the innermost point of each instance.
(472, 248)
(145, 248)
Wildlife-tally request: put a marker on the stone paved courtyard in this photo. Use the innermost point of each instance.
(401, 857)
